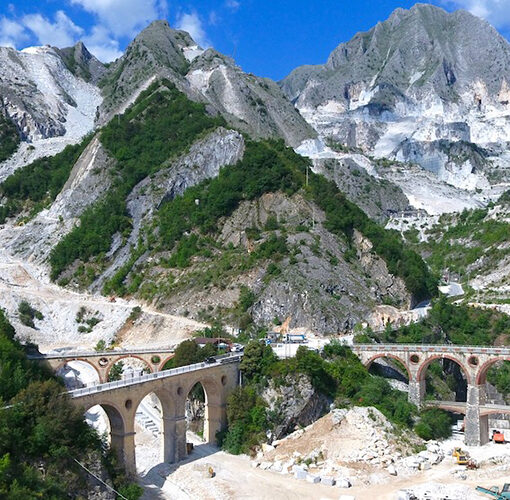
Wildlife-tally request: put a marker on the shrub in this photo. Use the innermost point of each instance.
(433, 424)
(27, 314)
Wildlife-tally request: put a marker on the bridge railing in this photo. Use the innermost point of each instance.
(85, 391)
(432, 348)
(90, 354)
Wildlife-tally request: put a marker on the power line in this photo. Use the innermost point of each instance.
(100, 480)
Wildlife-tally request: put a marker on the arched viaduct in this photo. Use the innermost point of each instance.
(120, 400)
(473, 361)
(102, 362)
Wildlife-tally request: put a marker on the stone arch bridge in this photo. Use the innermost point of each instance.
(103, 361)
(120, 400)
(474, 361)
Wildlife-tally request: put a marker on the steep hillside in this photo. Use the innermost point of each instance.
(191, 216)
(473, 246)
(254, 105)
(46, 104)
(418, 88)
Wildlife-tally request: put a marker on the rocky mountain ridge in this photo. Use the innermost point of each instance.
(418, 88)
(278, 244)
(252, 104)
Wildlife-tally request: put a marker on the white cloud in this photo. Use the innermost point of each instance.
(232, 4)
(102, 45)
(124, 17)
(115, 21)
(12, 33)
(214, 19)
(193, 25)
(497, 12)
(61, 33)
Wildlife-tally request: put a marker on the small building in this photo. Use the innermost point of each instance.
(219, 342)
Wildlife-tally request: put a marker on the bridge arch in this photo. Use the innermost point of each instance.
(401, 360)
(481, 376)
(422, 369)
(127, 356)
(60, 368)
(214, 406)
(149, 433)
(163, 362)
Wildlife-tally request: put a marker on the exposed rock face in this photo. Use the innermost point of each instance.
(219, 148)
(156, 51)
(295, 403)
(378, 198)
(321, 289)
(82, 63)
(388, 286)
(96, 490)
(412, 86)
(42, 97)
(89, 180)
(255, 105)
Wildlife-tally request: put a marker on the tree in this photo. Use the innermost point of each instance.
(257, 360)
(116, 372)
(186, 353)
(433, 424)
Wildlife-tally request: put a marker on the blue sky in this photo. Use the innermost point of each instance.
(267, 37)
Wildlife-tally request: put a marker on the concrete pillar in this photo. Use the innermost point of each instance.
(124, 445)
(174, 438)
(180, 439)
(416, 391)
(103, 374)
(215, 421)
(476, 431)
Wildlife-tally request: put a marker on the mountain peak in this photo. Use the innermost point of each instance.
(160, 31)
(81, 63)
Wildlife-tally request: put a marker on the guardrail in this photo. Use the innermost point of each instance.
(85, 391)
(434, 348)
(91, 354)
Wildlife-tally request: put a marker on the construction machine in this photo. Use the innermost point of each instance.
(498, 437)
(460, 456)
(495, 492)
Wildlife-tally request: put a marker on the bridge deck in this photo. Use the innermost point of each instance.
(85, 391)
(97, 354)
(460, 406)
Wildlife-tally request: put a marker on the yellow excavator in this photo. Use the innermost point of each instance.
(462, 458)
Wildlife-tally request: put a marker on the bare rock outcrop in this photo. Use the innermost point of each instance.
(294, 403)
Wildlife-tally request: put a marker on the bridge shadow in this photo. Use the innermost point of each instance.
(157, 475)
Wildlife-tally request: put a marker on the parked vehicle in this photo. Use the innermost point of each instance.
(498, 437)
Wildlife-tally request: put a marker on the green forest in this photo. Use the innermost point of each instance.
(269, 166)
(449, 323)
(162, 124)
(42, 433)
(39, 182)
(9, 137)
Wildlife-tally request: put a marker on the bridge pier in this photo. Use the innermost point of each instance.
(416, 392)
(124, 445)
(215, 421)
(174, 439)
(476, 427)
